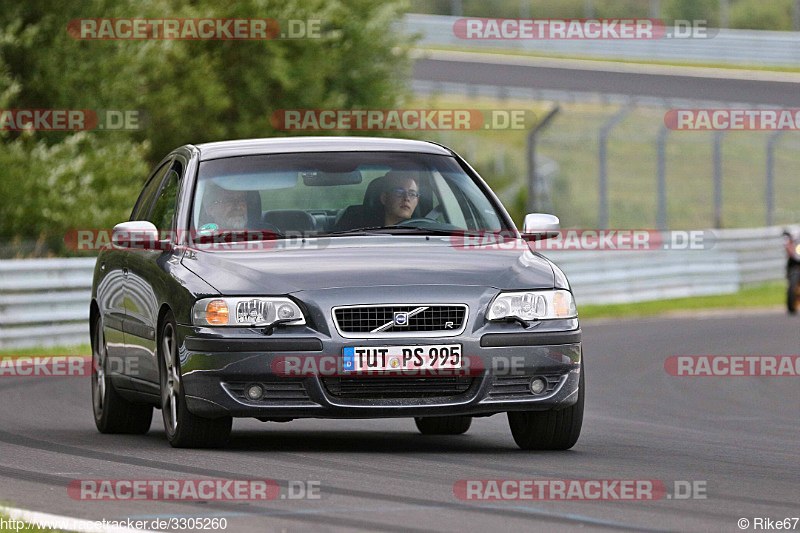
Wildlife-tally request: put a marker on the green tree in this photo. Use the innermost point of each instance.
(692, 10)
(190, 92)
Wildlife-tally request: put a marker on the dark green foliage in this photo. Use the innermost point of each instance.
(190, 92)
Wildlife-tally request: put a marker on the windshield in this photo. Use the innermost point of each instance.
(336, 193)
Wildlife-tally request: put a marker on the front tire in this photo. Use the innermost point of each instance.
(443, 425)
(549, 430)
(184, 429)
(112, 412)
(793, 291)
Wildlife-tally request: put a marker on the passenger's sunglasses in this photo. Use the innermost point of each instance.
(402, 192)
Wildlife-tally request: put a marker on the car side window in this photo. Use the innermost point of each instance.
(141, 210)
(164, 208)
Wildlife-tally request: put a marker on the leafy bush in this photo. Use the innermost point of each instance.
(190, 92)
(760, 15)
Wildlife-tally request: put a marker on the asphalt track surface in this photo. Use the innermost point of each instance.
(603, 77)
(739, 435)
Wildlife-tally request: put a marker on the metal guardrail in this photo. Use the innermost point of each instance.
(740, 257)
(45, 302)
(739, 47)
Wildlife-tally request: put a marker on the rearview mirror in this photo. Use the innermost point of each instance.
(316, 178)
(539, 226)
(139, 234)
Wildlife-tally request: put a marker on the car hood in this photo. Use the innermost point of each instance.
(340, 262)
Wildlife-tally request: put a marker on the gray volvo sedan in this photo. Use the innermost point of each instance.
(335, 277)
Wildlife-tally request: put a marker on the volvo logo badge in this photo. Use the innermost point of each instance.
(401, 319)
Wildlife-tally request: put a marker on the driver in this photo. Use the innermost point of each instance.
(399, 197)
(226, 208)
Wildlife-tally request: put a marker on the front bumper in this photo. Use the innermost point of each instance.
(216, 369)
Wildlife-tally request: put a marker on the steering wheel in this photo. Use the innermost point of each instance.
(423, 222)
(427, 223)
(266, 226)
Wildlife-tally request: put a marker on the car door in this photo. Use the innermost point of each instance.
(147, 279)
(111, 292)
(110, 300)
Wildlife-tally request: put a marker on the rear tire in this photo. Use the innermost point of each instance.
(184, 429)
(443, 425)
(112, 412)
(793, 291)
(549, 430)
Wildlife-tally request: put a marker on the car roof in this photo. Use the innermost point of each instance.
(279, 145)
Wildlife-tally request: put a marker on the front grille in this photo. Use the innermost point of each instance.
(517, 387)
(379, 319)
(396, 387)
(280, 391)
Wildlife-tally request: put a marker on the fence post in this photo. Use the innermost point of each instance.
(796, 15)
(524, 9)
(661, 185)
(533, 201)
(724, 13)
(770, 192)
(602, 161)
(718, 179)
(655, 9)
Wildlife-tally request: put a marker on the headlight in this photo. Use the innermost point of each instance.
(249, 311)
(533, 305)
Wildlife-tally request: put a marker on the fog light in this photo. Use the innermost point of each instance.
(254, 392)
(538, 385)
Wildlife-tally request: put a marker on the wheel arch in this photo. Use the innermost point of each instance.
(162, 314)
(94, 315)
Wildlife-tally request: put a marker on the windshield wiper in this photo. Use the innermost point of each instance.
(389, 230)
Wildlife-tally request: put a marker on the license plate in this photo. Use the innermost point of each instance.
(438, 356)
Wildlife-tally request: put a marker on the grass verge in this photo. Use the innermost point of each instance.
(766, 295)
(569, 152)
(81, 349)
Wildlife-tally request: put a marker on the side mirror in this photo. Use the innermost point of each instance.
(139, 234)
(540, 226)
